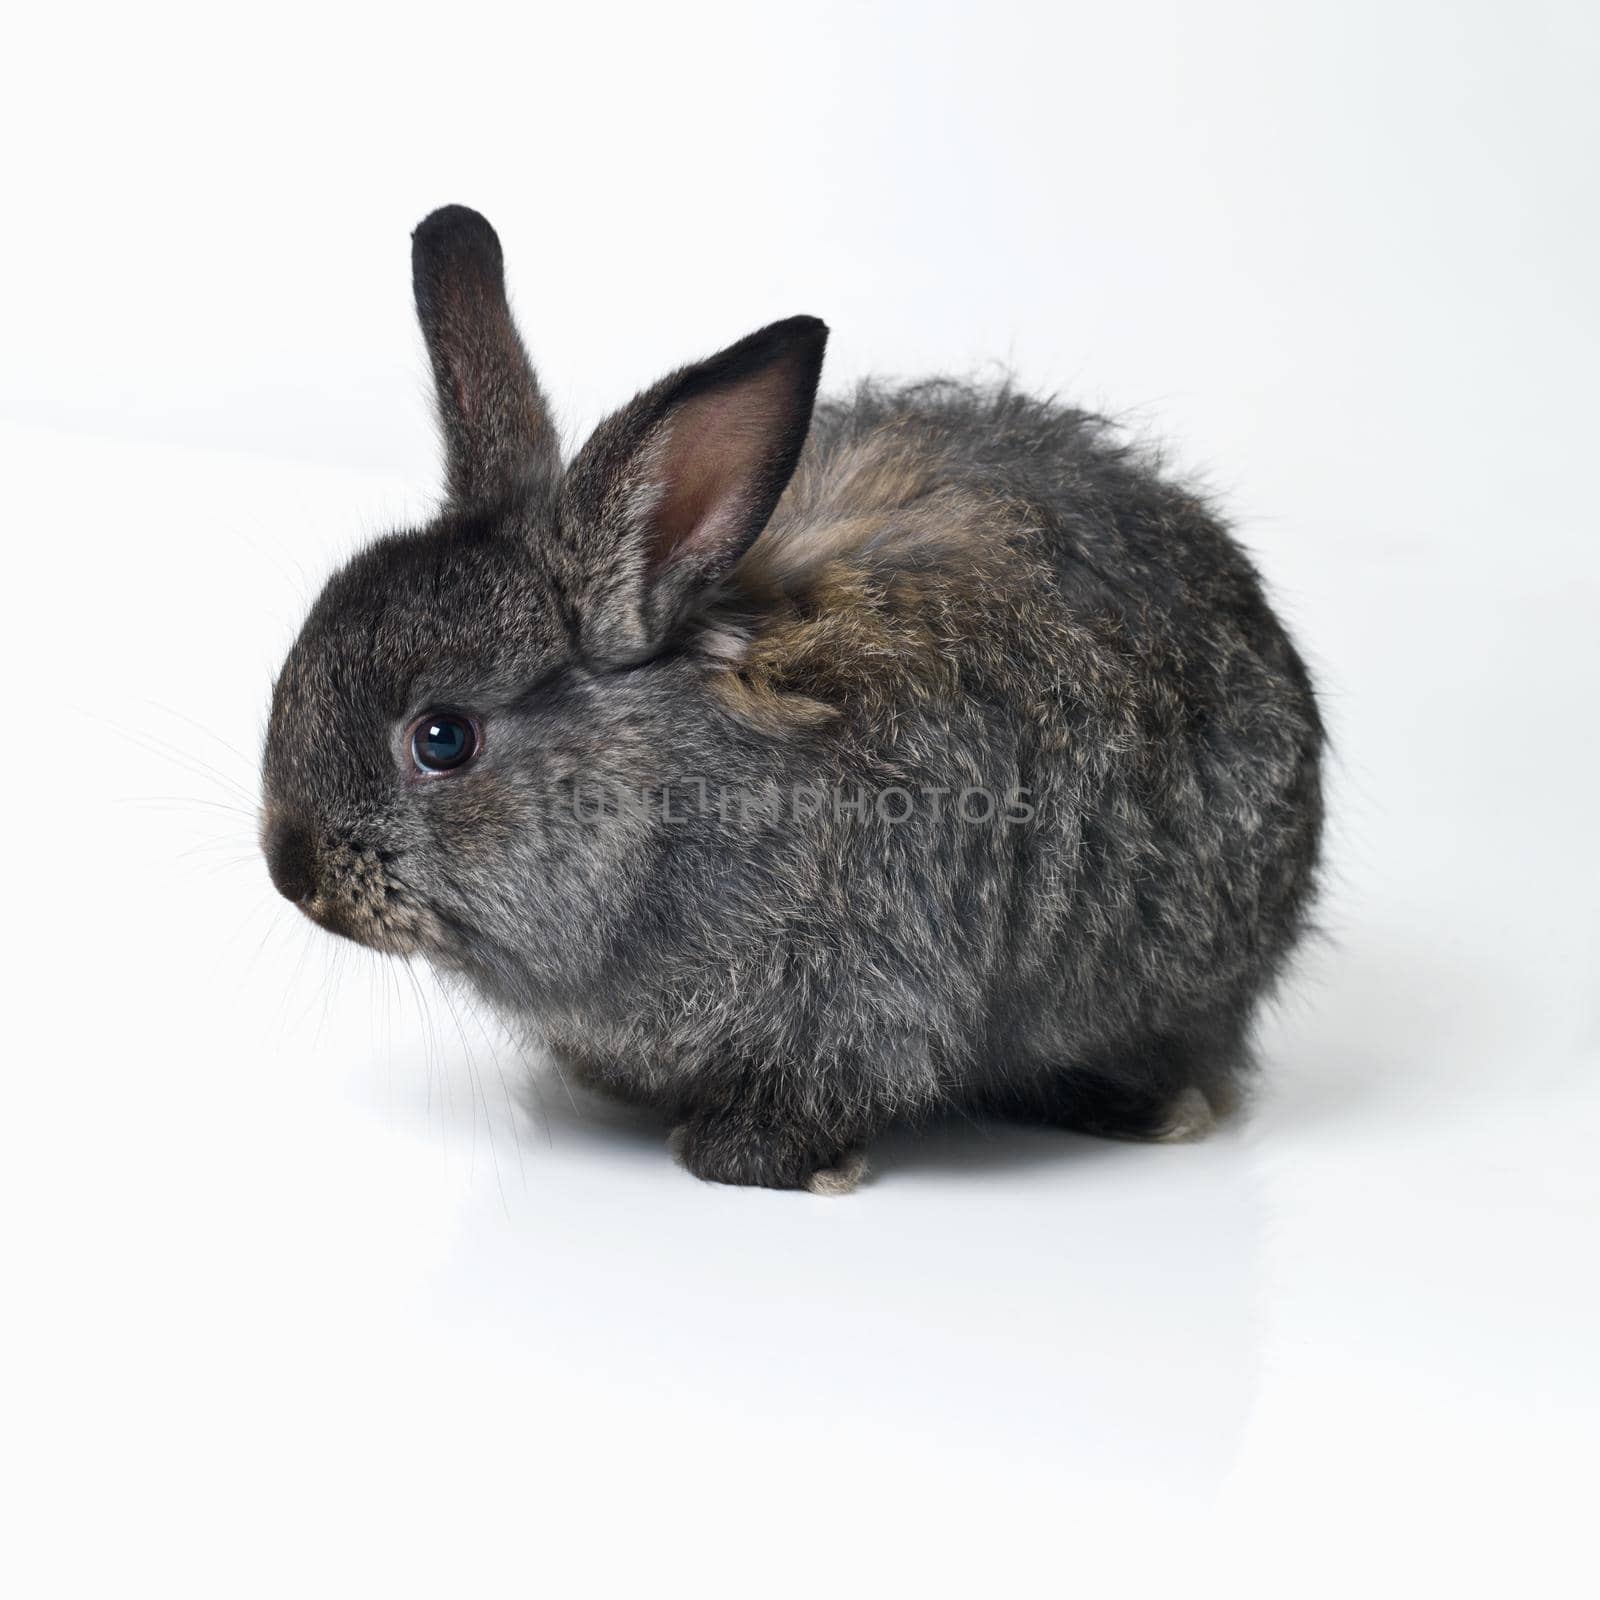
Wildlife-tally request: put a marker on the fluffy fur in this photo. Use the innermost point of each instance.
(938, 590)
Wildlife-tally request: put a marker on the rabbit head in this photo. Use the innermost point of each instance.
(453, 684)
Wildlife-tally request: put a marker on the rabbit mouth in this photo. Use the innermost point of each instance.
(394, 929)
(365, 903)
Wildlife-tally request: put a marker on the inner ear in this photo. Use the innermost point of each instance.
(722, 460)
(672, 490)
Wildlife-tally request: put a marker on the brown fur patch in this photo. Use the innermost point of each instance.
(874, 566)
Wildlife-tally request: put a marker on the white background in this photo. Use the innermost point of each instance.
(307, 1292)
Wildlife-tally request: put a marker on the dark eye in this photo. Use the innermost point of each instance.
(443, 741)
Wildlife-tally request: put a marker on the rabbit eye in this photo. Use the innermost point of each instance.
(442, 741)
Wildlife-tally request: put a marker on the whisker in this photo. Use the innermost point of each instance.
(429, 1049)
(152, 744)
(178, 802)
(185, 761)
(477, 1080)
(505, 1089)
(210, 869)
(200, 727)
(195, 766)
(273, 924)
(294, 978)
(562, 1078)
(245, 848)
(380, 965)
(329, 987)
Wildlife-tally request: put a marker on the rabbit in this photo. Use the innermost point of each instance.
(798, 768)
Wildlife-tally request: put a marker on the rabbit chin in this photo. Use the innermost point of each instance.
(393, 933)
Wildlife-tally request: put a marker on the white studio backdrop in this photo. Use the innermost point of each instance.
(309, 1290)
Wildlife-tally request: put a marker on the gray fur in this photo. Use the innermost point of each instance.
(960, 588)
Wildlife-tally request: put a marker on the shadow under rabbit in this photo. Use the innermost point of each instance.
(946, 1144)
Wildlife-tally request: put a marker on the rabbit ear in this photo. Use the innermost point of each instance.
(498, 435)
(672, 490)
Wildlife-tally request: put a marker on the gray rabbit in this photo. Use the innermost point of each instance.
(798, 767)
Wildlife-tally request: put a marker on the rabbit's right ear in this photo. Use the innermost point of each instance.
(498, 436)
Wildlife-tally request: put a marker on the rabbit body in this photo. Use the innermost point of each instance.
(945, 755)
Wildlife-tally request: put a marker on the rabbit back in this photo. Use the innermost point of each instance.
(1103, 752)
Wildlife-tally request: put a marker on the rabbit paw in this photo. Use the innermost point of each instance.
(1189, 1117)
(725, 1147)
(844, 1177)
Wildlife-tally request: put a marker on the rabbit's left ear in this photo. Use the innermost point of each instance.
(672, 490)
(498, 436)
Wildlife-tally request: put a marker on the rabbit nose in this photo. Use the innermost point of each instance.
(291, 851)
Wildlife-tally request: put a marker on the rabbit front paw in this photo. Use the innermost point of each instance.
(733, 1147)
